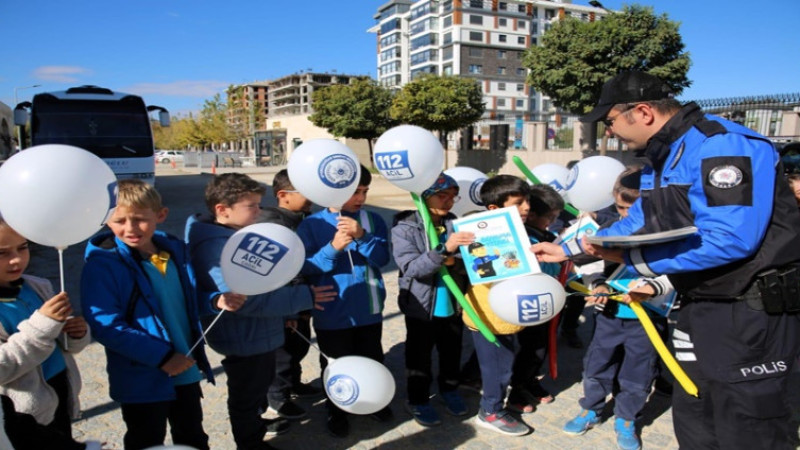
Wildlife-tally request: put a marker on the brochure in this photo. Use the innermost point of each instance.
(624, 279)
(583, 226)
(640, 240)
(501, 249)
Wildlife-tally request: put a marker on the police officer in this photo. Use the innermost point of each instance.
(738, 330)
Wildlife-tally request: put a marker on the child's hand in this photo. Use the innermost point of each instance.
(291, 324)
(230, 301)
(323, 294)
(177, 364)
(341, 240)
(601, 289)
(76, 327)
(639, 293)
(458, 239)
(57, 308)
(350, 226)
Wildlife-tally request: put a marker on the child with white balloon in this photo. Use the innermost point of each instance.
(431, 313)
(140, 301)
(248, 336)
(351, 324)
(38, 374)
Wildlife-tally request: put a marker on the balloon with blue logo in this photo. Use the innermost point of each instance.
(358, 385)
(554, 175)
(410, 157)
(469, 190)
(528, 300)
(260, 258)
(325, 171)
(590, 183)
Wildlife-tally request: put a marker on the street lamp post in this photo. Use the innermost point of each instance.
(19, 128)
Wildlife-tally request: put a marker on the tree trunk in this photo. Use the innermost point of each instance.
(371, 159)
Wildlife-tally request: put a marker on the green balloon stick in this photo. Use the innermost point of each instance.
(447, 278)
(525, 171)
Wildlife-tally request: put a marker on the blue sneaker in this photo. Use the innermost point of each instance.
(425, 415)
(454, 405)
(581, 423)
(626, 435)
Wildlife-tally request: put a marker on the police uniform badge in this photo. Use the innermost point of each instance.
(725, 176)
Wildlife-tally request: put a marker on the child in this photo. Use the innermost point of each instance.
(351, 324)
(431, 314)
(249, 336)
(140, 302)
(618, 332)
(526, 391)
(496, 362)
(292, 208)
(37, 338)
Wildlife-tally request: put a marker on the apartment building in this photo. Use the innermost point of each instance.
(480, 39)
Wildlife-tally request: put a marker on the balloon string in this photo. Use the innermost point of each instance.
(61, 266)
(203, 337)
(294, 328)
(349, 255)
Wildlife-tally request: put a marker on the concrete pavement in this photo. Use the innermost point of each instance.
(102, 420)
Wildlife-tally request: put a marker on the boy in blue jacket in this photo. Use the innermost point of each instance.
(351, 324)
(140, 303)
(249, 336)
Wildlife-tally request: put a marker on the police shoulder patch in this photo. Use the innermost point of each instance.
(725, 176)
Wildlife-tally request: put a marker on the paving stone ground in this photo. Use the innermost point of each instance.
(182, 191)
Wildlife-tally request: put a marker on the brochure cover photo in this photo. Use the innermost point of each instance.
(501, 249)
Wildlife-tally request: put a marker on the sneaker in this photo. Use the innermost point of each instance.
(581, 423)
(454, 404)
(501, 422)
(306, 390)
(425, 415)
(275, 427)
(290, 410)
(626, 435)
(337, 425)
(384, 415)
(572, 339)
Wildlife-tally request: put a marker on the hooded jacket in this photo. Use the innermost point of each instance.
(257, 327)
(125, 316)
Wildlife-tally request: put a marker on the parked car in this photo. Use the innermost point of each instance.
(168, 156)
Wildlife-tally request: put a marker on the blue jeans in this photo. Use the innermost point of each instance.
(496, 364)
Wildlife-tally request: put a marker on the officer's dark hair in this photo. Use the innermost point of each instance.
(366, 177)
(544, 198)
(496, 190)
(281, 182)
(473, 246)
(229, 188)
(628, 184)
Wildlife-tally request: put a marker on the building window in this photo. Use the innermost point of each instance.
(475, 68)
(501, 102)
(521, 40)
(475, 36)
(475, 19)
(447, 54)
(502, 38)
(476, 4)
(475, 52)
(521, 24)
(501, 117)
(502, 22)
(549, 13)
(502, 6)
(520, 87)
(501, 86)
(501, 70)
(501, 54)
(447, 70)
(447, 22)
(520, 103)
(521, 8)
(448, 38)
(521, 71)
(534, 28)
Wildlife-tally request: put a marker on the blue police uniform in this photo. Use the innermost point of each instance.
(738, 330)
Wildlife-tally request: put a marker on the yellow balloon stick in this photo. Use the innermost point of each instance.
(677, 371)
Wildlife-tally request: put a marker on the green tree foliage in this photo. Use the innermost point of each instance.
(211, 127)
(359, 110)
(441, 103)
(577, 57)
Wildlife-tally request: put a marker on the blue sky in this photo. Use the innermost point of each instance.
(177, 53)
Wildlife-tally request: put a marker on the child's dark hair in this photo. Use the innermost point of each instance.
(229, 188)
(366, 177)
(627, 184)
(496, 190)
(281, 182)
(544, 198)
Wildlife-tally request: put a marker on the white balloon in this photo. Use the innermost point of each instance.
(56, 195)
(590, 183)
(260, 258)
(469, 189)
(553, 174)
(529, 300)
(325, 171)
(410, 157)
(358, 385)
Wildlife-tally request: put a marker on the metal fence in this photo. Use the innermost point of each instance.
(763, 114)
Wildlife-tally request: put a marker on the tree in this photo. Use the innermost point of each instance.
(212, 125)
(359, 110)
(577, 57)
(442, 103)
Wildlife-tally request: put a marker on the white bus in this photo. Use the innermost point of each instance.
(113, 125)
